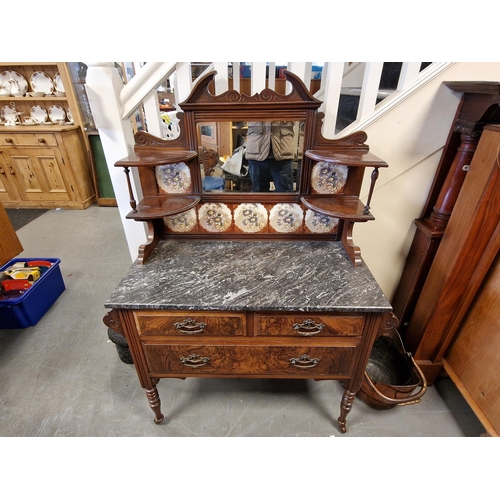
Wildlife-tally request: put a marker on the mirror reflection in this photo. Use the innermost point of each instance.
(252, 157)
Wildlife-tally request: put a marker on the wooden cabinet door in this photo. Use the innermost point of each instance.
(39, 174)
(8, 187)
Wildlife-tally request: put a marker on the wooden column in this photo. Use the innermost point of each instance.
(469, 246)
(430, 231)
(478, 107)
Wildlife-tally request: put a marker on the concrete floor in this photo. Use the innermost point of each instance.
(63, 377)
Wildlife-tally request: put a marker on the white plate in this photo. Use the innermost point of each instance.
(41, 82)
(39, 114)
(58, 83)
(69, 115)
(57, 114)
(21, 81)
(4, 80)
(9, 113)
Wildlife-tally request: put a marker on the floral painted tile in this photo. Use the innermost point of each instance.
(250, 217)
(286, 217)
(328, 178)
(215, 217)
(320, 223)
(174, 178)
(182, 223)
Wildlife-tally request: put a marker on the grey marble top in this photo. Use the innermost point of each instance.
(249, 275)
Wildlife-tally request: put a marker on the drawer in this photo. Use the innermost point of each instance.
(244, 360)
(309, 325)
(32, 139)
(162, 323)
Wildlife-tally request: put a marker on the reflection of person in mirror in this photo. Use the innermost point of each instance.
(270, 151)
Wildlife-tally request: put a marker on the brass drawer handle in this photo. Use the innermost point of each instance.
(195, 361)
(190, 327)
(308, 328)
(9, 140)
(304, 362)
(41, 140)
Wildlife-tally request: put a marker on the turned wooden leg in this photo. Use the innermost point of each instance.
(345, 408)
(155, 404)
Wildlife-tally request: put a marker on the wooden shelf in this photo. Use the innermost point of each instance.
(341, 207)
(152, 158)
(29, 98)
(351, 159)
(156, 207)
(42, 127)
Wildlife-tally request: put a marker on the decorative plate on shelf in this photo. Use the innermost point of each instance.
(4, 80)
(57, 114)
(250, 217)
(69, 115)
(286, 217)
(320, 223)
(41, 82)
(174, 178)
(9, 113)
(21, 81)
(58, 83)
(39, 114)
(215, 217)
(182, 223)
(328, 178)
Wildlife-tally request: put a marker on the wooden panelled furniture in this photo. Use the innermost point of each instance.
(446, 295)
(479, 106)
(455, 322)
(47, 165)
(10, 246)
(244, 284)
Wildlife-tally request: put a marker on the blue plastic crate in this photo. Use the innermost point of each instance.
(27, 310)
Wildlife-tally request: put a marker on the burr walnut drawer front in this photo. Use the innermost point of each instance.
(241, 360)
(161, 323)
(31, 139)
(309, 325)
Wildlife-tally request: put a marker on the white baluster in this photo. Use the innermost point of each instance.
(303, 71)
(221, 78)
(332, 85)
(409, 73)
(369, 90)
(258, 83)
(236, 76)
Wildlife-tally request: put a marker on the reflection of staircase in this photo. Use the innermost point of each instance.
(349, 97)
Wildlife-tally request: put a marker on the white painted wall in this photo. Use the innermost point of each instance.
(410, 139)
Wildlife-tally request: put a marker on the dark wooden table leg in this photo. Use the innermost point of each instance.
(155, 404)
(345, 408)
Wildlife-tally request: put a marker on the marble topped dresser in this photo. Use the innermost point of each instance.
(238, 283)
(250, 309)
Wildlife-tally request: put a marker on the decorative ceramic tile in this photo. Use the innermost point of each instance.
(320, 223)
(215, 217)
(328, 178)
(250, 217)
(182, 223)
(286, 217)
(174, 178)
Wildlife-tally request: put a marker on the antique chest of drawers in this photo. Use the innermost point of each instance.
(269, 309)
(265, 283)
